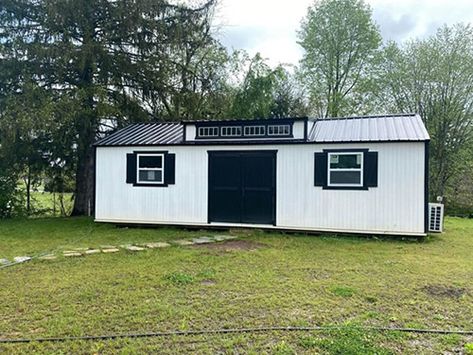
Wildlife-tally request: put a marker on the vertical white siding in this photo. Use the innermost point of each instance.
(395, 206)
(298, 129)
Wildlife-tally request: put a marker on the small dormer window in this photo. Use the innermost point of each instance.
(254, 131)
(279, 130)
(207, 132)
(231, 131)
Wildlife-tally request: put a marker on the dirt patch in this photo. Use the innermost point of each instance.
(444, 291)
(231, 245)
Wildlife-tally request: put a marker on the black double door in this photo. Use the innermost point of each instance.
(242, 187)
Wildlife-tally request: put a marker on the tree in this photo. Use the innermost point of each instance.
(340, 41)
(112, 61)
(260, 91)
(434, 77)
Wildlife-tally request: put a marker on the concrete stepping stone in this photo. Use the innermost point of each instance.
(74, 254)
(110, 250)
(48, 257)
(203, 240)
(221, 238)
(21, 259)
(92, 251)
(134, 248)
(182, 242)
(157, 245)
(4, 262)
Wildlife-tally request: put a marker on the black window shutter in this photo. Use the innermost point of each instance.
(320, 173)
(371, 169)
(170, 169)
(131, 168)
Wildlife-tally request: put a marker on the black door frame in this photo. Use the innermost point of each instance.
(275, 155)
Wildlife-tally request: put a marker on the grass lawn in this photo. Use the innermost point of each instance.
(264, 279)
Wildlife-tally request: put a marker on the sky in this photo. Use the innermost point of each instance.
(270, 26)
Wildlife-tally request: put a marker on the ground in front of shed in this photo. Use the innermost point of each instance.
(258, 279)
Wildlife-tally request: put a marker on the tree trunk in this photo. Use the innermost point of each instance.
(28, 189)
(84, 202)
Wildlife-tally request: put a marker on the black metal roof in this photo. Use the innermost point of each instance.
(145, 134)
(381, 128)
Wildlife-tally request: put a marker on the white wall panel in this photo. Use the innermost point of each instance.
(395, 206)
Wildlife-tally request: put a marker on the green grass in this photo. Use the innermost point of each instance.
(288, 280)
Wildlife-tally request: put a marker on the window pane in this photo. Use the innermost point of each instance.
(151, 161)
(345, 161)
(345, 177)
(151, 175)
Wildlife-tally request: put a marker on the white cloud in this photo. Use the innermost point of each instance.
(270, 26)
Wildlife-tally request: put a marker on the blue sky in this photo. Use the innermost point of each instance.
(270, 26)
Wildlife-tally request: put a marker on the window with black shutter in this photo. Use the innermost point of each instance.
(150, 168)
(346, 169)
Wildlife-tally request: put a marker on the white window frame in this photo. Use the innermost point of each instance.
(138, 156)
(261, 131)
(360, 169)
(230, 129)
(279, 130)
(211, 131)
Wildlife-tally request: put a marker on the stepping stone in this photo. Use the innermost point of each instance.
(110, 250)
(221, 238)
(70, 251)
(4, 262)
(134, 248)
(157, 245)
(80, 249)
(203, 240)
(182, 242)
(21, 259)
(92, 251)
(47, 257)
(72, 254)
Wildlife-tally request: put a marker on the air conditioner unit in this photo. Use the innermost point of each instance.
(435, 217)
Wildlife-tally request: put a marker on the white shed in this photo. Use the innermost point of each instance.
(352, 175)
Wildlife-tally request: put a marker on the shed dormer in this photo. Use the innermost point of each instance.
(246, 130)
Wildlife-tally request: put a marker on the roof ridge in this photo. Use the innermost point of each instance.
(366, 117)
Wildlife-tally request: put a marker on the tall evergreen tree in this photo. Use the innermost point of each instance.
(113, 61)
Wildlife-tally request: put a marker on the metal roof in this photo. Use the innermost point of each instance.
(386, 128)
(145, 134)
(403, 127)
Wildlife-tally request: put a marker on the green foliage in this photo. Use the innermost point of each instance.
(340, 42)
(441, 91)
(264, 92)
(104, 64)
(468, 348)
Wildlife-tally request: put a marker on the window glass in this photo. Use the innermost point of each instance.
(345, 161)
(345, 169)
(345, 177)
(279, 130)
(254, 130)
(231, 131)
(151, 161)
(208, 131)
(150, 168)
(151, 175)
